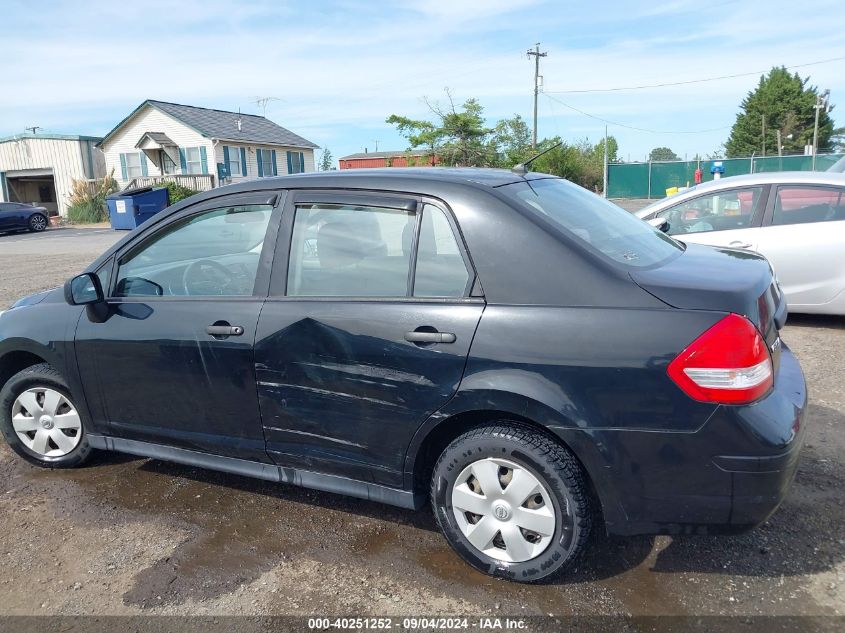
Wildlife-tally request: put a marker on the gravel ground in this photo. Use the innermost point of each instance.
(134, 536)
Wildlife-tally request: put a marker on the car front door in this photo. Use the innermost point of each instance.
(9, 216)
(730, 217)
(803, 236)
(172, 361)
(365, 333)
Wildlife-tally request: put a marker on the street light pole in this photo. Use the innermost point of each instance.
(821, 102)
(536, 54)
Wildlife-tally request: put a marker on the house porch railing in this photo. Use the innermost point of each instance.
(197, 182)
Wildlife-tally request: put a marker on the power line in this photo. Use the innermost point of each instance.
(632, 127)
(690, 81)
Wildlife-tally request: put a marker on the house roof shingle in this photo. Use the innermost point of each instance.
(222, 125)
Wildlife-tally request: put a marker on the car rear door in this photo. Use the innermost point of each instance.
(365, 333)
(802, 236)
(172, 360)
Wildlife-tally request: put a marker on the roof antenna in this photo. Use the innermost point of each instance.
(239, 119)
(522, 168)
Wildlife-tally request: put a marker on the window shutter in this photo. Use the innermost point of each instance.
(203, 159)
(290, 162)
(145, 170)
(182, 161)
(123, 167)
(273, 158)
(226, 160)
(260, 163)
(301, 162)
(243, 161)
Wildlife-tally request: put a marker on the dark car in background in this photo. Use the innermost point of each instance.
(17, 216)
(523, 355)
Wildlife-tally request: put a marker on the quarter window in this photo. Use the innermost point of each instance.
(214, 253)
(441, 271)
(804, 205)
(350, 251)
(722, 211)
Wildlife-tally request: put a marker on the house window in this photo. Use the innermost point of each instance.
(296, 162)
(234, 161)
(267, 162)
(168, 166)
(193, 160)
(133, 165)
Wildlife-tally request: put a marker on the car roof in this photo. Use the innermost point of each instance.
(749, 180)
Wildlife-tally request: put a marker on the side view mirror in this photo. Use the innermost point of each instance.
(661, 224)
(83, 290)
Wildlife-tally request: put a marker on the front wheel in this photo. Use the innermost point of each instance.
(512, 502)
(37, 223)
(40, 421)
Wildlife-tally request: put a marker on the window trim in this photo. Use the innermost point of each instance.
(385, 199)
(770, 207)
(758, 218)
(273, 198)
(229, 160)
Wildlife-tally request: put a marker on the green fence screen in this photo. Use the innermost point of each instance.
(651, 180)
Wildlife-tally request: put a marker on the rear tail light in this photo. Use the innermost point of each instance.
(728, 364)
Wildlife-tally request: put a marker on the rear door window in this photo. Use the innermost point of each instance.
(342, 250)
(806, 204)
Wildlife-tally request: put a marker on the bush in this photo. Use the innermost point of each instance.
(87, 200)
(177, 191)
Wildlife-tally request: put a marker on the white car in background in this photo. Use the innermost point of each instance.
(795, 219)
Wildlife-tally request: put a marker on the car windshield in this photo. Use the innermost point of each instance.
(600, 225)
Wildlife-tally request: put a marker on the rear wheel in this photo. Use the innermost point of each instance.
(40, 421)
(37, 222)
(512, 502)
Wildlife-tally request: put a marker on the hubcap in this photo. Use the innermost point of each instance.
(46, 422)
(503, 510)
(38, 223)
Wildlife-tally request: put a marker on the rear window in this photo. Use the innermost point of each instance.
(601, 225)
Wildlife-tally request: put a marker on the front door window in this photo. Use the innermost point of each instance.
(722, 211)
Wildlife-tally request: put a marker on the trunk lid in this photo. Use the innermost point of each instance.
(722, 279)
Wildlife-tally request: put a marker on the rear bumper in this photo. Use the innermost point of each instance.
(728, 476)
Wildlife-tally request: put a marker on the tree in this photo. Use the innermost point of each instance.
(458, 136)
(837, 140)
(788, 105)
(512, 141)
(662, 153)
(326, 160)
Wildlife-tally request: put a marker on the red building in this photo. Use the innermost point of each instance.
(366, 160)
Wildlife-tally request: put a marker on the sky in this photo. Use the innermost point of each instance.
(338, 68)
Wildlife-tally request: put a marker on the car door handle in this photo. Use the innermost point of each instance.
(224, 330)
(430, 337)
(739, 244)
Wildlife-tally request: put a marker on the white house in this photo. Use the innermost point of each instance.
(40, 168)
(201, 148)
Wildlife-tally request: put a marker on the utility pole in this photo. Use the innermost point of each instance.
(376, 142)
(605, 161)
(536, 54)
(764, 137)
(821, 102)
(780, 147)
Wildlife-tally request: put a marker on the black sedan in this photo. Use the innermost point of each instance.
(526, 357)
(17, 216)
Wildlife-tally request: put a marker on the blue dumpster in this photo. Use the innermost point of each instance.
(131, 207)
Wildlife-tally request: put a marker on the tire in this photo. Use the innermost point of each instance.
(39, 420)
(38, 222)
(505, 454)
